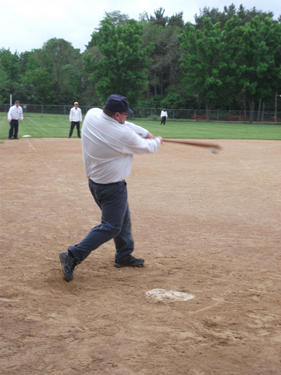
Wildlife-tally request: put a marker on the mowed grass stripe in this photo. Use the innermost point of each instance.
(57, 126)
(49, 126)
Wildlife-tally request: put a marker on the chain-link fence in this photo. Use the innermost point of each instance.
(153, 114)
(29, 109)
(200, 114)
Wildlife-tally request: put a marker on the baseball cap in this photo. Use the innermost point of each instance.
(117, 103)
(16, 101)
(75, 103)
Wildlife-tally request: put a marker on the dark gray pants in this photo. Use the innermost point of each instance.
(115, 222)
(14, 127)
(72, 126)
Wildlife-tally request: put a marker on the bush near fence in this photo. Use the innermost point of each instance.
(153, 114)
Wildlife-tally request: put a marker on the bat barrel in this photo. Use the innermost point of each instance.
(194, 143)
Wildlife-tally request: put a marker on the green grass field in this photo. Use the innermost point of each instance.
(57, 126)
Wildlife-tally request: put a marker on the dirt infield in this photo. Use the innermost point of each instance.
(207, 225)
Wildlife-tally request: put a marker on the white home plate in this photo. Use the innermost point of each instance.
(26, 136)
(168, 295)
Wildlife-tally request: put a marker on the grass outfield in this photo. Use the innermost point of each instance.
(57, 126)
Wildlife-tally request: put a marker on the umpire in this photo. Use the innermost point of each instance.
(75, 118)
(14, 114)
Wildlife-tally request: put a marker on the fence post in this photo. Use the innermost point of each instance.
(218, 115)
(275, 107)
(195, 115)
(259, 111)
(174, 114)
(42, 110)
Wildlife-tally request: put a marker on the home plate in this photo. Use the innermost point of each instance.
(168, 295)
(26, 136)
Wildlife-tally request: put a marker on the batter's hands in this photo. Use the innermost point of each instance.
(149, 135)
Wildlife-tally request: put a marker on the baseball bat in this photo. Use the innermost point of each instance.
(211, 145)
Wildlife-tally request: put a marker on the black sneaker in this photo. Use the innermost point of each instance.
(67, 265)
(129, 261)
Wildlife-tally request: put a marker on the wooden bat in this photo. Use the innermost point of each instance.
(213, 146)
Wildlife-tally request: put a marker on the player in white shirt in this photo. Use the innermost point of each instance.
(108, 145)
(75, 118)
(164, 115)
(15, 113)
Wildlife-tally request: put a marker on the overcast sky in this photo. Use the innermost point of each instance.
(28, 24)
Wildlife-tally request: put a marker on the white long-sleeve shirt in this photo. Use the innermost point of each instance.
(108, 147)
(164, 114)
(75, 114)
(15, 113)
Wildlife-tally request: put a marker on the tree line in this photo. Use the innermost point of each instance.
(224, 60)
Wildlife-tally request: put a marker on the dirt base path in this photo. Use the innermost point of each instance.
(207, 225)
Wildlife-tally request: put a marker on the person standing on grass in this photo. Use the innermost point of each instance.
(75, 118)
(163, 116)
(15, 113)
(108, 145)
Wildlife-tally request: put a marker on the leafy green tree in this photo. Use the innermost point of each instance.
(52, 74)
(176, 97)
(10, 63)
(122, 65)
(164, 69)
(204, 62)
(272, 38)
(254, 52)
(27, 61)
(213, 14)
(115, 17)
(13, 68)
(57, 57)
(89, 95)
(176, 20)
(4, 84)
(43, 86)
(165, 54)
(9, 74)
(216, 16)
(246, 15)
(227, 57)
(159, 18)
